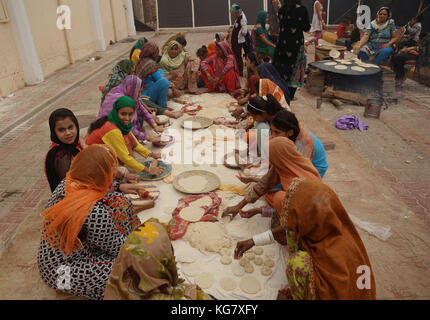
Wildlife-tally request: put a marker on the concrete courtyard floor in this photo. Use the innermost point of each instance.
(381, 175)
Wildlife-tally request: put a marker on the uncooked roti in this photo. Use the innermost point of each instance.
(243, 262)
(341, 67)
(237, 270)
(330, 63)
(205, 280)
(258, 251)
(205, 201)
(192, 214)
(225, 260)
(258, 261)
(225, 252)
(190, 270)
(359, 69)
(249, 284)
(162, 119)
(266, 271)
(193, 184)
(228, 284)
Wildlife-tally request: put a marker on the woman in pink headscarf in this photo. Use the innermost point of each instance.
(230, 74)
(132, 87)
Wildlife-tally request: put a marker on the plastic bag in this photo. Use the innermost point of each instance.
(380, 231)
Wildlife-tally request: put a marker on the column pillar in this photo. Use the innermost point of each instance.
(130, 18)
(96, 22)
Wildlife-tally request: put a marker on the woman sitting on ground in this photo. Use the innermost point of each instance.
(65, 145)
(325, 250)
(116, 131)
(379, 38)
(86, 222)
(229, 77)
(268, 71)
(146, 269)
(252, 77)
(211, 66)
(121, 70)
(263, 46)
(131, 87)
(181, 71)
(155, 85)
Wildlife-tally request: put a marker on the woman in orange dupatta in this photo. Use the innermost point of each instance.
(267, 86)
(286, 163)
(327, 259)
(86, 222)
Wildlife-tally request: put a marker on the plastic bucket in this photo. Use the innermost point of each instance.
(373, 108)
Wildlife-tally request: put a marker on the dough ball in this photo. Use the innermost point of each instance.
(228, 284)
(226, 219)
(266, 271)
(269, 263)
(249, 268)
(258, 251)
(247, 172)
(225, 260)
(243, 262)
(225, 252)
(250, 285)
(258, 261)
(249, 256)
(205, 280)
(237, 270)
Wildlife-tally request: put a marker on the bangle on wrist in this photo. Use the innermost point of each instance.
(264, 238)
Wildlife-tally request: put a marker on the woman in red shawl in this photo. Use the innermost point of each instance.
(230, 73)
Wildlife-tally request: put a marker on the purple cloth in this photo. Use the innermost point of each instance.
(350, 123)
(129, 87)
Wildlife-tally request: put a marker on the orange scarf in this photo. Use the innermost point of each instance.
(314, 212)
(89, 178)
(289, 163)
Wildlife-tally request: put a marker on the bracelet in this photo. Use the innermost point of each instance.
(263, 238)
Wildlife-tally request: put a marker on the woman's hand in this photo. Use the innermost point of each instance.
(242, 247)
(233, 211)
(236, 113)
(156, 171)
(155, 155)
(387, 45)
(158, 129)
(131, 177)
(246, 180)
(250, 213)
(130, 188)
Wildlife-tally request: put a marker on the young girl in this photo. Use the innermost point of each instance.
(65, 145)
(244, 95)
(210, 67)
(262, 110)
(115, 130)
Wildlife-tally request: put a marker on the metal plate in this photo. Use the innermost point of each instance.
(204, 122)
(348, 71)
(146, 177)
(213, 181)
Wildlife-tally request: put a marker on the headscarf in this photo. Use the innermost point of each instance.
(147, 65)
(315, 214)
(167, 63)
(289, 163)
(140, 43)
(172, 38)
(378, 26)
(145, 268)
(121, 70)
(269, 87)
(235, 8)
(211, 48)
(266, 70)
(129, 87)
(261, 20)
(121, 102)
(89, 178)
(221, 36)
(57, 146)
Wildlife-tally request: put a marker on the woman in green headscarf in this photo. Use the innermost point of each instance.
(260, 36)
(115, 129)
(145, 268)
(180, 69)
